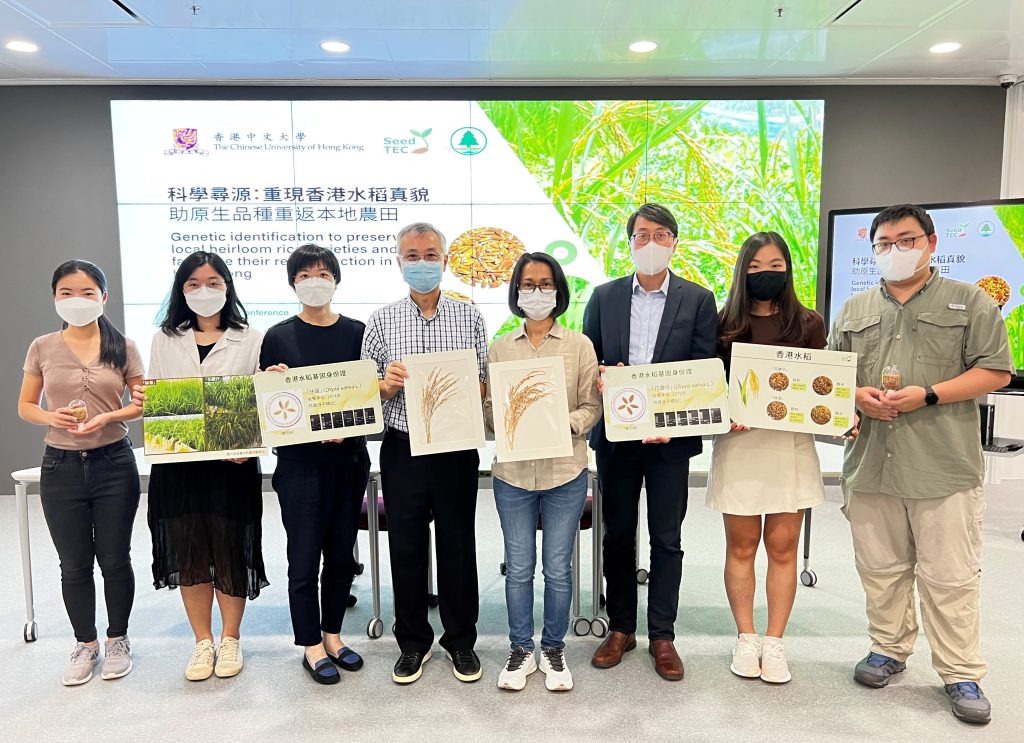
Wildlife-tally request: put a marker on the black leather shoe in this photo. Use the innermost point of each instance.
(348, 659)
(323, 672)
(465, 665)
(409, 667)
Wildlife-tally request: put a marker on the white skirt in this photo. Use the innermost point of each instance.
(760, 471)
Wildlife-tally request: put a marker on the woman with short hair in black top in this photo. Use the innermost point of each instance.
(320, 485)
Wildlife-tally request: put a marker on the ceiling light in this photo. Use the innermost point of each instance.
(338, 47)
(643, 47)
(945, 47)
(21, 46)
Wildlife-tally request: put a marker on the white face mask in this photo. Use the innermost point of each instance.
(899, 265)
(78, 311)
(205, 301)
(315, 292)
(652, 259)
(536, 304)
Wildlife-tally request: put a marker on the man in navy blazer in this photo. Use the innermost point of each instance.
(649, 317)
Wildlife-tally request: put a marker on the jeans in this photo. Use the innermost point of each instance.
(560, 509)
(320, 504)
(89, 501)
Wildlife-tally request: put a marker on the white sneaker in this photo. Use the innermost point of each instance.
(556, 672)
(200, 667)
(229, 658)
(82, 665)
(746, 656)
(774, 668)
(519, 665)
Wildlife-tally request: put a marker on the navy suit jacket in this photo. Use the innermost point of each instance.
(688, 330)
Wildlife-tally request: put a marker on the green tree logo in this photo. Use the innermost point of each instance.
(468, 140)
(421, 135)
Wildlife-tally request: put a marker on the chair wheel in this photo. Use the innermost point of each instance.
(601, 600)
(642, 575)
(503, 568)
(432, 600)
(31, 632)
(375, 629)
(808, 577)
(581, 626)
(599, 627)
(352, 599)
(360, 568)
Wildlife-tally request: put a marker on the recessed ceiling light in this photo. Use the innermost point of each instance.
(21, 46)
(338, 47)
(945, 47)
(643, 47)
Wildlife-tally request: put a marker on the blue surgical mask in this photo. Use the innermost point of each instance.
(423, 276)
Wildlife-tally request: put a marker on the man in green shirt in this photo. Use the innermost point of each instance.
(912, 477)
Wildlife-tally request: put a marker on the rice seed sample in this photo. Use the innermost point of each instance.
(777, 410)
(439, 389)
(485, 256)
(822, 385)
(997, 288)
(891, 378)
(79, 409)
(821, 415)
(521, 397)
(778, 381)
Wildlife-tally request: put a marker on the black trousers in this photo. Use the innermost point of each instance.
(620, 477)
(320, 504)
(89, 501)
(416, 489)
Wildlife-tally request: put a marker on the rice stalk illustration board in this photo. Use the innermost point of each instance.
(443, 402)
(531, 409)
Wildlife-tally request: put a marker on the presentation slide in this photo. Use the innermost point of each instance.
(979, 243)
(253, 180)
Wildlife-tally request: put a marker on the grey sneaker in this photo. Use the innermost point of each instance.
(969, 703)
(876, 670)
(117, 658)
(82, 665)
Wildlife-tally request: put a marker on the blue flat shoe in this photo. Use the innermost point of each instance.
(323, 672)
(348, 659)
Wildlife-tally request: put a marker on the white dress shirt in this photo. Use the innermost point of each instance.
(176, 356)
(645, 311)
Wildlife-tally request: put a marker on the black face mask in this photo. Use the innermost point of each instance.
(766, 285)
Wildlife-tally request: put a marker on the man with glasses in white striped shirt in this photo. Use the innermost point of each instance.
(442, 487)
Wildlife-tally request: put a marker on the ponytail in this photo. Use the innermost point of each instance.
(113, 347)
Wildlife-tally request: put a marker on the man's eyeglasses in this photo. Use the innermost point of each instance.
(416, 258)
(662, 237)
(903, 245)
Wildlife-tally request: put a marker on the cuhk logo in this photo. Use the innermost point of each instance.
(862, 233)
(986, 229)
(186, 141)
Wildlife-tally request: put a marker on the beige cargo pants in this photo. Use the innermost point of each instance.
(938, 542)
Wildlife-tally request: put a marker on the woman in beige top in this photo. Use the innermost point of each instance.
(554, 489)
(89, 488)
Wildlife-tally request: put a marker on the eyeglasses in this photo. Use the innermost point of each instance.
(662, 237)
(303, 275)
(545, 288)
(903, 245)
(416, 258)
(216, 284)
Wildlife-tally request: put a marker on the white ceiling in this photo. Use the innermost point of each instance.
(506, 41)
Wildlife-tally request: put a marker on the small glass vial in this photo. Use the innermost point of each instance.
(891, 378)
(80, 410)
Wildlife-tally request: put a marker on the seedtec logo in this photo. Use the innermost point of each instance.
(957, 230)
(408, 145)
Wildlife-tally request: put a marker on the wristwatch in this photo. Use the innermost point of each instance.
(930, 398)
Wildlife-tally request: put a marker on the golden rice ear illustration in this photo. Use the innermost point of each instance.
(440, 389)
(523, 395)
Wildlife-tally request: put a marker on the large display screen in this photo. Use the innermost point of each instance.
(980, 243)
(252, 180)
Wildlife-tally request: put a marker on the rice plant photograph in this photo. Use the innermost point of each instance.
(232, 421)
(166, 397)
(174, 435)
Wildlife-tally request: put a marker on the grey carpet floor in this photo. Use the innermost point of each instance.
(273, 698)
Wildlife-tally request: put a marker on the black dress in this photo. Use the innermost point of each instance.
(205, 522)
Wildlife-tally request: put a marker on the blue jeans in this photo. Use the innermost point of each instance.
(560, 510)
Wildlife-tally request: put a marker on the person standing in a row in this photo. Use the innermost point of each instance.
(89, 485)
(442, 487)
(651, 316)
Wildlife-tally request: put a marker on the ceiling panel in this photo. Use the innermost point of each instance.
(76, 13)
(438, 46)
(544, 14)
(541, 46)
(653, 15)
(904, 13)
(763, 46)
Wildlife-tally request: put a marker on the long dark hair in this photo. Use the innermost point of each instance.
(178, 315)
(113, 348)
(734, 319)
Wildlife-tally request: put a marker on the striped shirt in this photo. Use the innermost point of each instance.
(399, 329)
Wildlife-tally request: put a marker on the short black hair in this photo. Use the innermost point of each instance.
(178, 315)
(655, 213)
(309, 255)
(561, 285)
(901, 211)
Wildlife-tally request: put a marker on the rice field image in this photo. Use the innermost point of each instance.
(232, 421)
(174, 435)
(174, 397)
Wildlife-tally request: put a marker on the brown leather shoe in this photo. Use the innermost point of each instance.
(667, 663)
(612, 649)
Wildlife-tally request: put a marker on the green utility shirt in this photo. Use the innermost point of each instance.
(943, 330)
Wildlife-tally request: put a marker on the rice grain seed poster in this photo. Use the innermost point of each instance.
(531, 409)
(443, 402)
